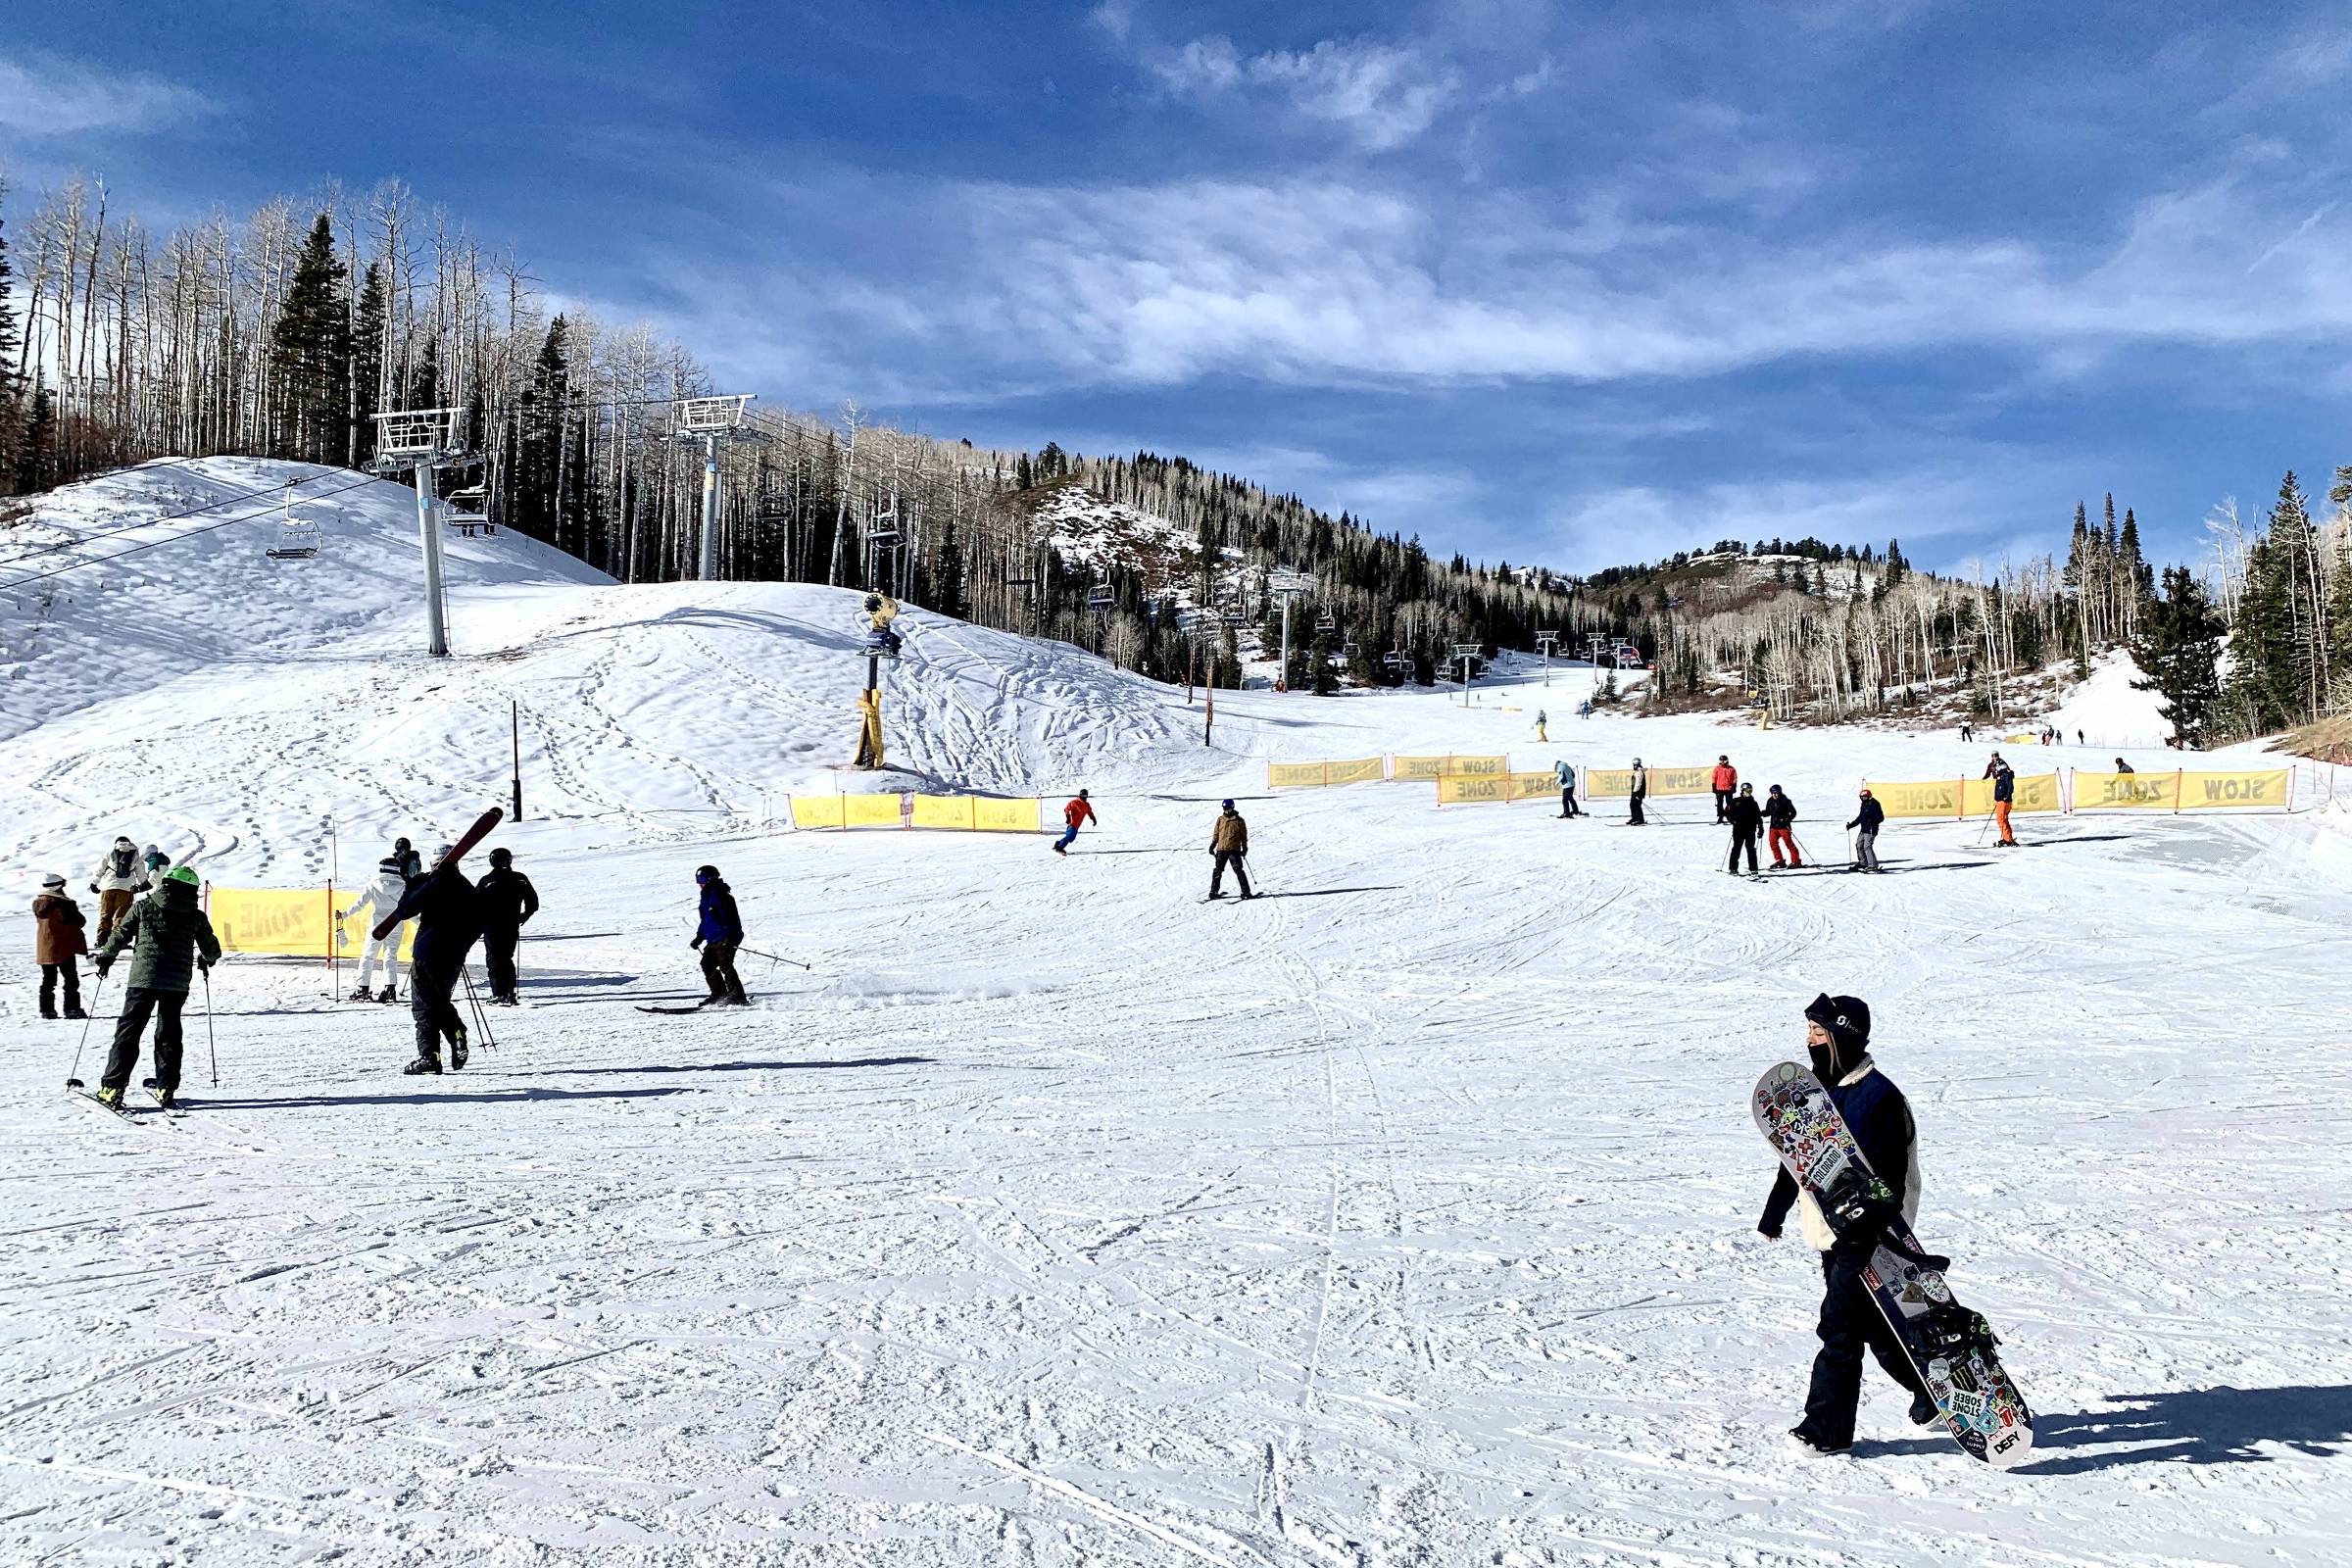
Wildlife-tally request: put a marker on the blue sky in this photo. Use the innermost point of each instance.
(1577, 284)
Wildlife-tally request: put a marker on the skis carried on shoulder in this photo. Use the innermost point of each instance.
(473, 836)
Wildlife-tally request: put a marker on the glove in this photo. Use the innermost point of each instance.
(206, 964)
(696, 943)
(102, 965)
(1771, 1233)
(94, 889)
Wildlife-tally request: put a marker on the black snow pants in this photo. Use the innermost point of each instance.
(1850, 1321)
(498, 956)
(137, 1003)
(1741, 840)
(51, 973)
(1217, 877)
(718, 971)
(1638, 820)
(1568, 806)
(429, 1006)
(1723, 806)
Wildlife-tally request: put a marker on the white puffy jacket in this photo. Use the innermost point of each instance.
(380, 897)
(1809, 1217)
(110, 881)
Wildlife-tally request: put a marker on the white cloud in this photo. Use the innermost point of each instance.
(1381, 96)
(47, 95)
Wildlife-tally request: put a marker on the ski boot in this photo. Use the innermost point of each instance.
(387, 994)
(363, 993)
(111, 1098)
(423, 1066)
(49, 1013)
(163, 1097)
(74, 1013)
(457, 1047)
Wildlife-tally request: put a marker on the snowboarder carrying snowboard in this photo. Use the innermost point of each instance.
(718, 932)
(448, 911)
(1747, 821)
(509, 900)
(169, 937)
(1868, 818)
(1229, 845)
(380, 897)
(1080, 811)
(1837, 1040)
(56, 941)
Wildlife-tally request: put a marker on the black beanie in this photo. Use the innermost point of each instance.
(1848, 1020)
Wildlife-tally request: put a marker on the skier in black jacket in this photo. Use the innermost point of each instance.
(509, 900)
(448, 911)
(1866, 823)
(1747, 820)
(1875, 1111)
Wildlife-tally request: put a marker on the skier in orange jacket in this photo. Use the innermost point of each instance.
(1725, 781)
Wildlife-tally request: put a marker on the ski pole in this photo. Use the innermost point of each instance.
(211, 1050)
(778, 958)
(73, 1075)
(481, 1020)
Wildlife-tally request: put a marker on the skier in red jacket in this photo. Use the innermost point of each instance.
(1074, 815)
(1725, 781)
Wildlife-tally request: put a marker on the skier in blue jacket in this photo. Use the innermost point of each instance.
(1875, 1111)
(719, 933)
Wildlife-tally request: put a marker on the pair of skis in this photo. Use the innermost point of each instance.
(124, 1111)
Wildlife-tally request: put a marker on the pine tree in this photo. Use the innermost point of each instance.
(367, 363)
(310, 355)
(540, 449)
(2178, 651)
(36, 453)
(2273, 676)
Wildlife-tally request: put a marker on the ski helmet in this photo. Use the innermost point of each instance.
(183, 873)
(122, 842)
(502, 855)
(442, 854)
(1082, 795)
(706, 873)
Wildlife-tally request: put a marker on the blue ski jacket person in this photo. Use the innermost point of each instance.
(719, 933)
(720, 921)
(1870, 817)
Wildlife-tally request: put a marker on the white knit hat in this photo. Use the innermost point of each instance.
(53, 880)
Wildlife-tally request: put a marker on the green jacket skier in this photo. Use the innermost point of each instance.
(170, 939)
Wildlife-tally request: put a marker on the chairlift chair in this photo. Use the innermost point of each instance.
(465, 511)
(1101, 599)
(1326, 622)
(297, 536)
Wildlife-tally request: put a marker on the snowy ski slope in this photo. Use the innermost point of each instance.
(1404, 1216)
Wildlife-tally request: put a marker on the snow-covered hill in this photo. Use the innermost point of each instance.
(1404, 1216)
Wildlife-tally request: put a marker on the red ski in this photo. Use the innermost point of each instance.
(473, 836)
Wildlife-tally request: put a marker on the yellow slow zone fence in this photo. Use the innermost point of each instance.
(2182, 791)
(1497, 789)
(955, 814)
(1617, 783)
(293, 922)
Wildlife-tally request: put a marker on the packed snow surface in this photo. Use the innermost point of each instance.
(1402, 1215)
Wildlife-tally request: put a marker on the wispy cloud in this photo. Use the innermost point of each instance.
(1380, 96)
(44, 95)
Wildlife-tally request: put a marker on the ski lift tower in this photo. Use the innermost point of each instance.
(709, 420)
(423, 441)
(1286, 585)
(1468, 653)
(1544, 640)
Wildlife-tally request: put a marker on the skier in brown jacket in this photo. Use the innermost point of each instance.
(1229, 843)
(56, 941)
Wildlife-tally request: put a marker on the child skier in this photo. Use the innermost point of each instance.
(1229, 845)
(1781, 811)
(379, 897)
(56, 941)
(168, 935)
(1077, 814)
(1874, 1110)
(718, 932)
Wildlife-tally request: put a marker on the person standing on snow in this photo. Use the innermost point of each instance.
(379, 897)
(1875, 1111)
(1747, 820)
(448, 911)
(1968, 733)
(1567, 778)
(2122, 766)
(56, 941)
(1866, 823)
(411, 864)
(1229, 845)
(169, 936)
(509, 900)
(1724, 781)
(1540, 721)
(2004, 796)
(1076, 815)
(1637, 794)
(119, 878)
(1781, 811)
(718, 932)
